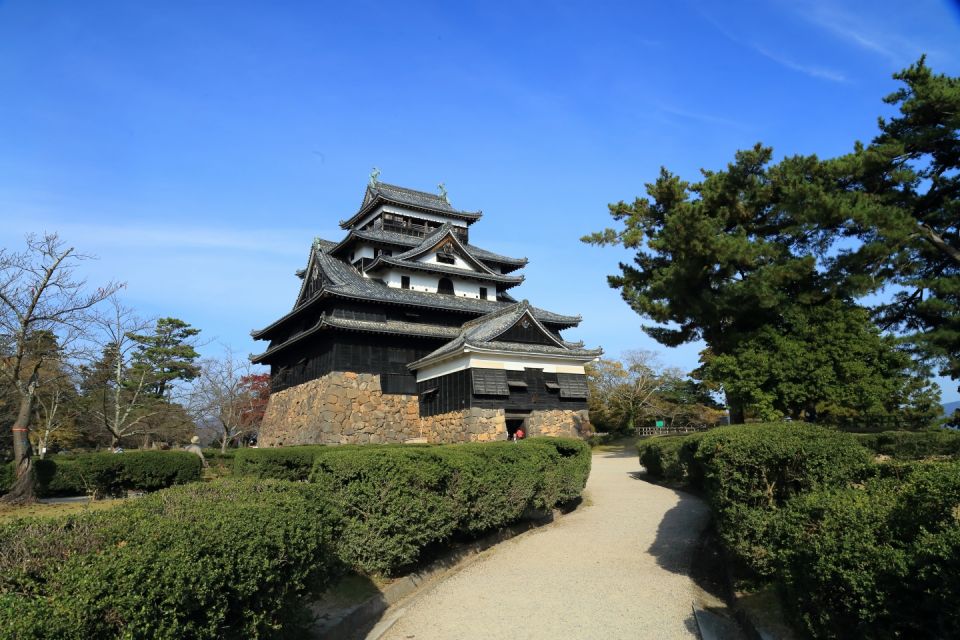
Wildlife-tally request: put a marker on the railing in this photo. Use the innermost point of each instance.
(645, 432)
(418, 230)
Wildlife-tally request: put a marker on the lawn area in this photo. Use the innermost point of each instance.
(620, 445)
(48, 510)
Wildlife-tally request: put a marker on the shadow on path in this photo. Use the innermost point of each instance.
(686, 543)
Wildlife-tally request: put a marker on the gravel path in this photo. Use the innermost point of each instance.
(617, 567)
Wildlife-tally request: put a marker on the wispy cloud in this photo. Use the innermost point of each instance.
(784, 61)
(700, 117)
(810, 70)
(180, 237)
(861, 32)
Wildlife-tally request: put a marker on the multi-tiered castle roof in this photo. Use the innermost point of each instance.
(407, 279)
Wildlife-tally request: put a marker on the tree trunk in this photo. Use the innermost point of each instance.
(23, 490)
(736, 411)
(223, 444)
(42, 444)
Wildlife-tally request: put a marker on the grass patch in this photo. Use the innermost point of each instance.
(620, 445)
(44, 510)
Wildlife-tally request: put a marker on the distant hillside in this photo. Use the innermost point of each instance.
(950, 407)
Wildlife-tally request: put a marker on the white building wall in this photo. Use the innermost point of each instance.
(483, 361)
(362, 251)
(458, 262)
(428, 282)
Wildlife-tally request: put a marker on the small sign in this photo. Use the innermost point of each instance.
(660, 424)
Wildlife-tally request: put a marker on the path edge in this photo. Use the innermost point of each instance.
(369, 613)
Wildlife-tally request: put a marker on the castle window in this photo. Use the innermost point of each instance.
(404, 282)
(445, 286)
(483, 293)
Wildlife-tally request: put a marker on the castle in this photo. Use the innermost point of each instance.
(403, 330)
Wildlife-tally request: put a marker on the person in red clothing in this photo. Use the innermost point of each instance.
(520, 434)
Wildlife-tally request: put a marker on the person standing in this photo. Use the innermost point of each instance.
(194, 447)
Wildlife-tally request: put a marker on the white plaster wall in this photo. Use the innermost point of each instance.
(362, 251)
(469, 289)
(519, 363)
(480, 361)
(422, 281)
(427, 282)
(443, 368)
(458, 262)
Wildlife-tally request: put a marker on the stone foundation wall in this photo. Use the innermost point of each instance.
(559, 422)
(339, 408)
(349, 408)
(469, 425)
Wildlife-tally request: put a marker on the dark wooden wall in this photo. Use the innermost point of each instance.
(455, 392)
(530, 335)
(387, 355)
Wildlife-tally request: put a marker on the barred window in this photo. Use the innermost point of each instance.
(490, 382)
(572, 385)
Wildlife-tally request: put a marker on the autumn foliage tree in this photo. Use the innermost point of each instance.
(229, 398)
(256, 388)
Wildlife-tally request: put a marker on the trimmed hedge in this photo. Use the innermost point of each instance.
(280, 463)
(213, 560)
(110, 474)
(671, 457)
(913, 445)
(229, 559)
(860, 549)
(215, 457)
(750, 471)
(392, 502)
(881, 560)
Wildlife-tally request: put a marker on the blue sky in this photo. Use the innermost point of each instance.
(197, 147)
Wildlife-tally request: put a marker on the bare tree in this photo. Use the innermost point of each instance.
(223, 399)
(120, 398)
(627, 395)
(56, 411)
(43, 308)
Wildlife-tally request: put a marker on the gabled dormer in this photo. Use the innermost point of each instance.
(445, 248)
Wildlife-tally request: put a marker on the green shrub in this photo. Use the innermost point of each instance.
(913, 445)
(393, 501)
(749, 471)
(880, 560)
(389, 503)
(280, 463)
(566, 475)
(671, 458)
(110, 474)
(229, 558)
(660, 456)
(217, 458)
(214, 560)
(491, 485)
